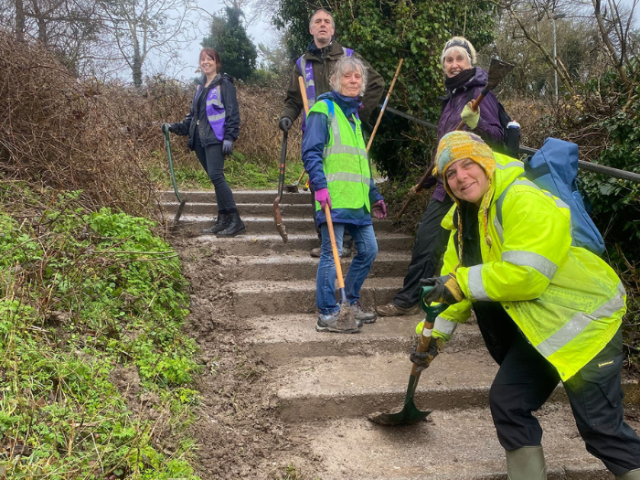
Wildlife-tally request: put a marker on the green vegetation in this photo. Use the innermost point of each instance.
(94, 369)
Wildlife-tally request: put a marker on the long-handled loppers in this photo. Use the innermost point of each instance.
(497, 71)
(173, 177)
(410, 413)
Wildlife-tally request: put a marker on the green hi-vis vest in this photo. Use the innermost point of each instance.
(345, 162)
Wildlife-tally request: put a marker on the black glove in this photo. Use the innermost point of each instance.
(285, 124)
(167, 127)
(424, 359)
(227, 147)
(445, 290)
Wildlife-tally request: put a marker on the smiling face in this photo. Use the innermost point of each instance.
(351, 83)
(467, 180)
(207, 65)
(455, 61)
(322, 29)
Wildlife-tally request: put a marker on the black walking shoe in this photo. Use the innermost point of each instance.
(222, 222)
(235, 226)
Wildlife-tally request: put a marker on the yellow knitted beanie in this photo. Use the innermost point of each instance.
(461, 144)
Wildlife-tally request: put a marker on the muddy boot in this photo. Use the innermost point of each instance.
(222, 222)
(316, 252)
(235, 226)
(632, 475)
(526, 463)
(333, 323)
(393, 310)
(361, 315)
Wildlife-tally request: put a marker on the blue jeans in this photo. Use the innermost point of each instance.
(367, 247)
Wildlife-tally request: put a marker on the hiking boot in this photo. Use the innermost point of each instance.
(393, 310)
(361, 315)
(235, 226)
(333, 323)
(315, 252)
(221, 223)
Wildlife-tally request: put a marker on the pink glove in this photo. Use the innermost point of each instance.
(323, 198)
(379, 210)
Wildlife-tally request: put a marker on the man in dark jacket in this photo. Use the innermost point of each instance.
(315, 67)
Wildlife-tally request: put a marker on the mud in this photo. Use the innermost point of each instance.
(237, 426)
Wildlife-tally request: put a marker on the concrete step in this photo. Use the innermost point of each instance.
(251, 299)
(240, 196)
(450, 445)
(248, 209)
(263, 244)
(299, 265)
(356, 386)
(283, 339)
(258, 225)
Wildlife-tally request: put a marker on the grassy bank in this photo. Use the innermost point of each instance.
(94, 366)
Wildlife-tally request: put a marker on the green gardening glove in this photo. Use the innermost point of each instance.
(470, 117)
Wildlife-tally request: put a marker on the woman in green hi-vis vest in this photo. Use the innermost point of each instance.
(334, 153)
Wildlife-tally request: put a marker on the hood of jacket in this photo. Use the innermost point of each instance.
(348, 105)
(202, 79)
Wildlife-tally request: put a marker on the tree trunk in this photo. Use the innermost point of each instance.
(136, 65)
(20, 20)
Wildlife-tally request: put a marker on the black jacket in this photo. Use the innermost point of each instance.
(197, 117)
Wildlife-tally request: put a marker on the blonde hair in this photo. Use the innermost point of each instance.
(462, 43)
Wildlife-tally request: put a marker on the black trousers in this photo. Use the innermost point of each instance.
(428, 248)
(212, 160)
(526, 380)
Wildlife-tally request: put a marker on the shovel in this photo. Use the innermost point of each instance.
(410, 413)
(173, 177)
(497, 71)
(282, 230)
(293, 187)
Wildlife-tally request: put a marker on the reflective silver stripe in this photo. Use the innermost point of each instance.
(215, 101)
(499, 229)
(444, 326)
(530, 259)
(213, 118)
(338, 149)
(348, 177)
(578, 323)
(311, 83)
(513, 164)
(475, 284)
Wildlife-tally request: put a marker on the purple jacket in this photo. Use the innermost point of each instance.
(488, 128)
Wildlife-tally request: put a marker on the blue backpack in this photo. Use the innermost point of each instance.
(554, 168)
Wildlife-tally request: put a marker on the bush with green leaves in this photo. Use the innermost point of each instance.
(383, 31)
(85, 295)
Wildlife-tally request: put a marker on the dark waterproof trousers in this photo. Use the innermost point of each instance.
(428, 248)
(526, 380)
(212, 160)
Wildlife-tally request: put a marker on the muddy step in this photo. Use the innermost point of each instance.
(356, 386)
(300, 265)
(272, 298)
(265, 244)
(450, 445)
(283, 339)
(240, 196)
(253, 209)
(257, 225)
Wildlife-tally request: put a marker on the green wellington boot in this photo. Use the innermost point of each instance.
(526, 463)
(631, 475)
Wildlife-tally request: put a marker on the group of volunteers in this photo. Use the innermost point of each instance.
(547, 310)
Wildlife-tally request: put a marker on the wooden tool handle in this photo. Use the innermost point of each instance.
(303, 92)
(474, 107)
(300, 177)
(384, 105)
(334, 247)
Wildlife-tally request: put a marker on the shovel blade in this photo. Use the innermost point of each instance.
(291, 188)
(407, 416)
(497, 71)
(178, 214)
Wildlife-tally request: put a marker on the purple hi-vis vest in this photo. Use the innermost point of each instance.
(215, 111)
(306, 68)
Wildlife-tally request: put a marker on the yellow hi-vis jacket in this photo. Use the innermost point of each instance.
(567, 301)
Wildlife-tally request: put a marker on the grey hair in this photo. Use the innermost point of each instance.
(333, 23)
(345, 65)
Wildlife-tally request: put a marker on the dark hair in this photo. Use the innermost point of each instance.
(211, 52)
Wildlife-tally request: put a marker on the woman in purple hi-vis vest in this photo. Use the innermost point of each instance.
(213, 124)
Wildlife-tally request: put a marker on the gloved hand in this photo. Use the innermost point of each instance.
(424, 359)
(379, 210)
(227, 147)
(445, 290)
(470, 117)
(166, 127)
(322, 197)
(285, 124)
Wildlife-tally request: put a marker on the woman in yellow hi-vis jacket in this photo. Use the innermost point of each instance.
(548, 311)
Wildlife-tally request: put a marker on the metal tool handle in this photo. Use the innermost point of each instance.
(173, 176)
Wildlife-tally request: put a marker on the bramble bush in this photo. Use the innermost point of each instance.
(84, 295)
